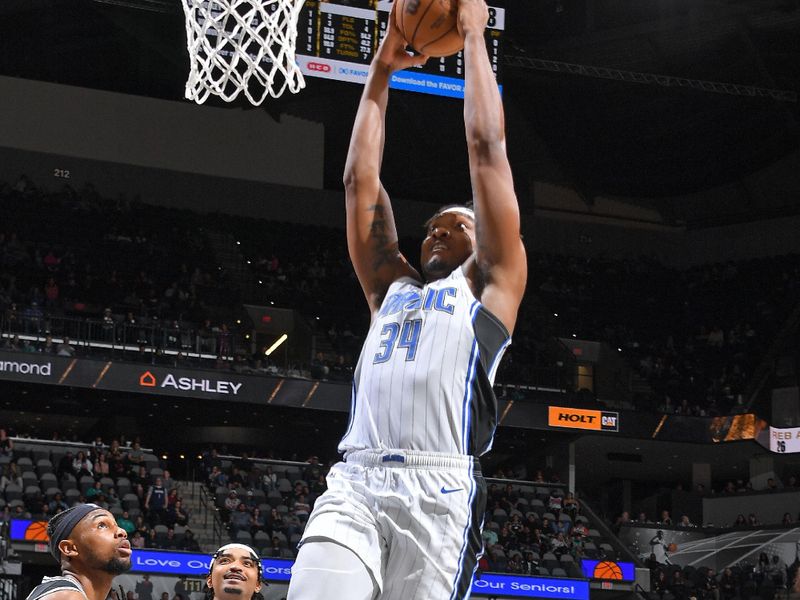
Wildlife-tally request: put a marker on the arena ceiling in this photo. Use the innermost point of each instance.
(652, 144)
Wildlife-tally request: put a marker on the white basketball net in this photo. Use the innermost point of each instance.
(240, 46)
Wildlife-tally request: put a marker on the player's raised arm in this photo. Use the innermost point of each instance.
(500, 254)
(371, 232)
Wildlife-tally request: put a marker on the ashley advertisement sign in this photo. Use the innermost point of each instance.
(149, 379)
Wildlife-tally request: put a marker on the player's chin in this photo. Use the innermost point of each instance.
(436, 267)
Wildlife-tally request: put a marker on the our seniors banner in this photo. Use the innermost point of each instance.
(280, 570)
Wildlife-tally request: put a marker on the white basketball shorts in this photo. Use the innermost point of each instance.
(413, 518)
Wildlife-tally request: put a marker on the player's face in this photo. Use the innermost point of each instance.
(234, 576)
(102, 544)
(449, 242)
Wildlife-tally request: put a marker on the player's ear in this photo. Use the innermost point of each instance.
(208, 581)
(68, 547)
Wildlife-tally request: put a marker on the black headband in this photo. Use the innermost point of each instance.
(60, 527)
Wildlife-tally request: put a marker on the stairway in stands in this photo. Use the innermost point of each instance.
(201, 517)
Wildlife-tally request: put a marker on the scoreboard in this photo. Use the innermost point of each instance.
(337, 39)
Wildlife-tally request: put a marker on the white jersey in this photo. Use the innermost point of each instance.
(425, 375)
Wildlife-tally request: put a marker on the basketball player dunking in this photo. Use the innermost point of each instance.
(402, 516)
(91, 549)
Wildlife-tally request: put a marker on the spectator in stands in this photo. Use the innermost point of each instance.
(217, 478)
(6, 444)
(787, 520)
(232, 502)
(301, 509)
(727, 585)
(48, 347)
(665, 518)
(762, 568)
(57, 503)
(172, 496)
(124, 521)
(168, 481)
(258, 521)
(155, 502)
(772, 485)
(82, 466)
(65, 348)
(685, 521)
(170, 542)
(269, 480)
(65, 465)
(101, 466)
(137, 540)
(11, 476)
(144, 588)
(190, 544)
(93, 491)
(240, 520)
(176, 515)
(752, 520)
(740, 521)
(135, 457)
(571, 505)
(140, 477)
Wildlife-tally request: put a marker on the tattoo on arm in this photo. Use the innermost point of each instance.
(378, 231)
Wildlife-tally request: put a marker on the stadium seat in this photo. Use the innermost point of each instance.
(32, 492)
(68, 482)
(48, 480)
(537, 506)
(544, 571)
(294, 540)
(549, 515)
(123, 486)
(244, 537)
(293, 473)
(50, 493)
(550, 560)
(161, 534)
(29, 478)
(156, 472)
(566, 559)
(24, 465)
(284, 486)
(43, 465)
(282, 541)
(220, 494)
(558, 572)
(71, 496)
(116, 512)
(499, 516)
(150, 461)
(13, 492)
(287, 553)
(84, 483)
(106, 483)
(591, 550)
(594, 533)
(130, 501)
(38, 454)
(261, 539)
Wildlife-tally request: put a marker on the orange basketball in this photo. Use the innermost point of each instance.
(672, 547)
(429, 26)
(607, 570)
(37, 531)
